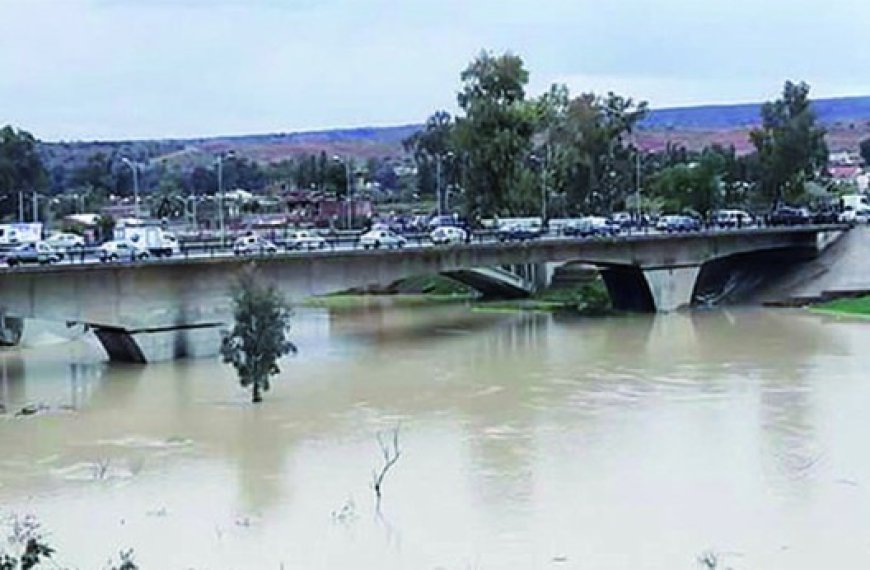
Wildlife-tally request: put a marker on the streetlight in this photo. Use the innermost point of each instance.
(220, 180)
(135, 168)
(637, 187)
(542, 164)
(349, 180)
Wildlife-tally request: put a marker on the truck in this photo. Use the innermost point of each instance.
(20, 233)
(150, 237)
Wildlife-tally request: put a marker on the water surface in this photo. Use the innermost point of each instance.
(528, 441)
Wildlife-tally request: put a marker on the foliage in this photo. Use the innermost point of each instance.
(687, 187)
(21, 167)
(494, 137)
(595, 167)
(859, 306)
(126, 561)
(27, 546)
(864, 148)
(791, 147)
(259, 336)
(433, 154)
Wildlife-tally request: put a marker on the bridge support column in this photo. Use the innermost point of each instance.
(159, 344)
(671, 288)
(11, 329)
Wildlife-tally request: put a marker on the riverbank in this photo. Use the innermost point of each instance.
(589, 299)
(856, 307)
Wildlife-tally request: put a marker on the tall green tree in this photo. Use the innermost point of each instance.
(433, 149)
(494, 136)
(21, 167)
(864, 148)
(790, 145)
(687, 187)
(258, 338)
(595, 162)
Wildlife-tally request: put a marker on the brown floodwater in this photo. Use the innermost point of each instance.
(527, 441)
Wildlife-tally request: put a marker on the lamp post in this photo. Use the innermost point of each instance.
(637, 187)
(219, 160)
(543, 166)
(135, 168)
(349, 181)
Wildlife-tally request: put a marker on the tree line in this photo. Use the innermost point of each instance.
(87, 184)
(504, 153)
(508, 154)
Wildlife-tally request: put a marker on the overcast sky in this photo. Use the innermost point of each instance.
(111, 69)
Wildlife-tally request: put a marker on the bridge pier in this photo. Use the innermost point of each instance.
(11, 329)
(671, 288)
(143, 346)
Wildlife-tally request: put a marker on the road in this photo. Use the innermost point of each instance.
(212, 248)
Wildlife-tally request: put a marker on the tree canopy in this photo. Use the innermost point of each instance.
(791, 148)
(259, 335)
(21, 167)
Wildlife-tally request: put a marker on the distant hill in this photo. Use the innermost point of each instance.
(829, 111)
(847, 120)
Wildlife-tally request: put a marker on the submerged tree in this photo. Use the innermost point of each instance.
(259, 337)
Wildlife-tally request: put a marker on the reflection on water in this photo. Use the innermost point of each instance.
(527, 438)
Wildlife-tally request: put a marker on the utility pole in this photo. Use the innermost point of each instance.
(220, 181)
(438, 184)
(35, 207)
(637, 189)
(135, 168)
(21, 206)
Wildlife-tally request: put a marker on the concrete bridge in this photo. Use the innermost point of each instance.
(159, 310)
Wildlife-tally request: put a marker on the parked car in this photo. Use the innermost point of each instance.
(678, 223)
(442, 220)
(121, 250)
(521, 232)
(382, 238)
(448, 234)
(304, 239)
(788, 216)
(851, 215)
(827, 216)
(622, 219)
(251, 245)
(591, 226)
(732, 219)
(33, 252)
(64, 242)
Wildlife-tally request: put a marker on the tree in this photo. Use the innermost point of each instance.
(259, 337)
(864, 147)
(495, 135)
(594, 165)
(791, 147)
(21, 167)
(692, 187)
(429, 146)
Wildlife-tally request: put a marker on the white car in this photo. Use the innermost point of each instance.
(448, 234)
(34, 252)
(120, 250)
(64, 242)
(382, 238)
(304, 239)
(250, 245)
(850, 215)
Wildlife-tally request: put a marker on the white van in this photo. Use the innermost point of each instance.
(732, 219)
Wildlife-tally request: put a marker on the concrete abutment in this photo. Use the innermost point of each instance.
(159, 344)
